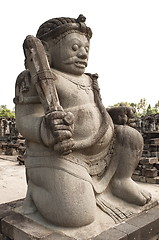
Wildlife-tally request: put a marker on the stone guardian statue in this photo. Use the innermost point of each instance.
(77, 151)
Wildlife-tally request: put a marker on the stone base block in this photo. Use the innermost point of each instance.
(16, 226)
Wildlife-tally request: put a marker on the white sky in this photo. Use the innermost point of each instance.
(124, 48)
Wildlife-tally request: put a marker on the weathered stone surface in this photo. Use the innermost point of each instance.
(150, 173)
(6, 208)
(150, 160)
(154, 180)
(154, 141)
(131, 231)
(147, 223)
(155, 237)
(18, 227)
(112, 234)
(154, 154)
(157, 166)
(76, 148)
(139, 178)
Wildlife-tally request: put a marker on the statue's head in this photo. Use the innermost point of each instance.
(66, 41)
(55, 28)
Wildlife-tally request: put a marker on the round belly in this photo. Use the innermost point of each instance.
(87, 121)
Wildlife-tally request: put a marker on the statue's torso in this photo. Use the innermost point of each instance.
(79, 100)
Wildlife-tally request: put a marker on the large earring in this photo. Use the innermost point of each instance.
(48, 54)
(49, 58)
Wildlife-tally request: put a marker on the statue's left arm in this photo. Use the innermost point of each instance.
(122, 115)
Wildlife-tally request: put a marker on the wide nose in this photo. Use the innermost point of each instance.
(82, 53)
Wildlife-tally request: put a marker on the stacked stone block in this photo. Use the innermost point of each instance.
(148, 168)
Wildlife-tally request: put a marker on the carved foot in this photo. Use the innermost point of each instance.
(129, 191)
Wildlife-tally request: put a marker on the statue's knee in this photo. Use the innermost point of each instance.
(129, 137)
(68, 207)
(82, 208)
(75, 213)
(82, 215)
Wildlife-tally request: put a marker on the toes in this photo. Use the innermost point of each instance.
(141, 200)
(146, 195)
(143, 197)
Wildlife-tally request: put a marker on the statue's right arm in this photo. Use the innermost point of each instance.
(30, 117)
(49, 129)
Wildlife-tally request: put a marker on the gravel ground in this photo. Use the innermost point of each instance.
(12, 179)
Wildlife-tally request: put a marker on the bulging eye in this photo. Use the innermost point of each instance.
(75, 47)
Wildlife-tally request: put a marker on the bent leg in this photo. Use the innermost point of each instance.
(28, 205)
(63, 199)
(128, 150)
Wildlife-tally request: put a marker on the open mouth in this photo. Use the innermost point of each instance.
(80, 64)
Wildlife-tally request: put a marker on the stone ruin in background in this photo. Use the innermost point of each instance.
(11, 142)
(148, 168)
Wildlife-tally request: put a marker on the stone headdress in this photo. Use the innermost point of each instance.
(55, 27)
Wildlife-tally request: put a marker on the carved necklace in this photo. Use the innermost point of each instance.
(86, 88)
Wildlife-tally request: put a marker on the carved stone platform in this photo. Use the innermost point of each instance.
(16, 226)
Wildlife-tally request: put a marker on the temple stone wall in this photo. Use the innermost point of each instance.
(148, 168)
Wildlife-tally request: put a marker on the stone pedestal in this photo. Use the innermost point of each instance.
(16, 226)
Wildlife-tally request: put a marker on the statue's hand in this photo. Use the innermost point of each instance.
(122, 115)
(61, 125)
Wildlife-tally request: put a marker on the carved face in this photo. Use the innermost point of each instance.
(70, 54)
